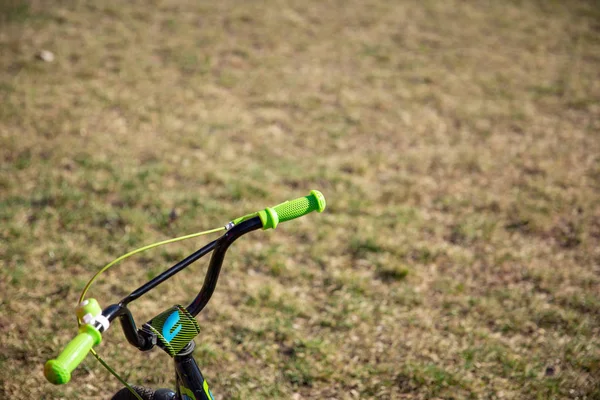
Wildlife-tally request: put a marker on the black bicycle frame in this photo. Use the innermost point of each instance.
(190, 384)
(189, 379)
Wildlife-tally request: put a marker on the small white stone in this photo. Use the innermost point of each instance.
(46, 56)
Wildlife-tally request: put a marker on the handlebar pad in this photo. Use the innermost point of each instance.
(270, 217)
(58, 371)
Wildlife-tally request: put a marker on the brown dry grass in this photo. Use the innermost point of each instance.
(457, 143)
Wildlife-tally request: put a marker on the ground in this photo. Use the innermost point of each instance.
(457, 144)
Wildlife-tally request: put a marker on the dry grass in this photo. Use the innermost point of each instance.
(457, 142)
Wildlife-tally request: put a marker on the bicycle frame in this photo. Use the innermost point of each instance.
(190, 382)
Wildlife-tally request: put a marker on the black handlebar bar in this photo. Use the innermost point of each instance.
(139, 338)
(216, 261)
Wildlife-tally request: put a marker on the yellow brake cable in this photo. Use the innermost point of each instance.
(124, 256)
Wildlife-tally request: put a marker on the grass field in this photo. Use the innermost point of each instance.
(457, 143)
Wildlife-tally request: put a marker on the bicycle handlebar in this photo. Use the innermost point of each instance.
(58, 371)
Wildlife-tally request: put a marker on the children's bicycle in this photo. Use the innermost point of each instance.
(174, 329)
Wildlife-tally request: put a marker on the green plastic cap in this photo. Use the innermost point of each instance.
(55, 373)
(89, 306)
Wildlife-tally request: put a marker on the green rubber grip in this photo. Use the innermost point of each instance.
(270, 217)
(58, 371)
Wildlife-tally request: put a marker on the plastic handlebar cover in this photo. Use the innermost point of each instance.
(58, 371)
(270, 217)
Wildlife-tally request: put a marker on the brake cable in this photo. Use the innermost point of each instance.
(115, 261)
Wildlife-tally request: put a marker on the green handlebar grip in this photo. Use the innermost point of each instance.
(270, 217)
(58, 371)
